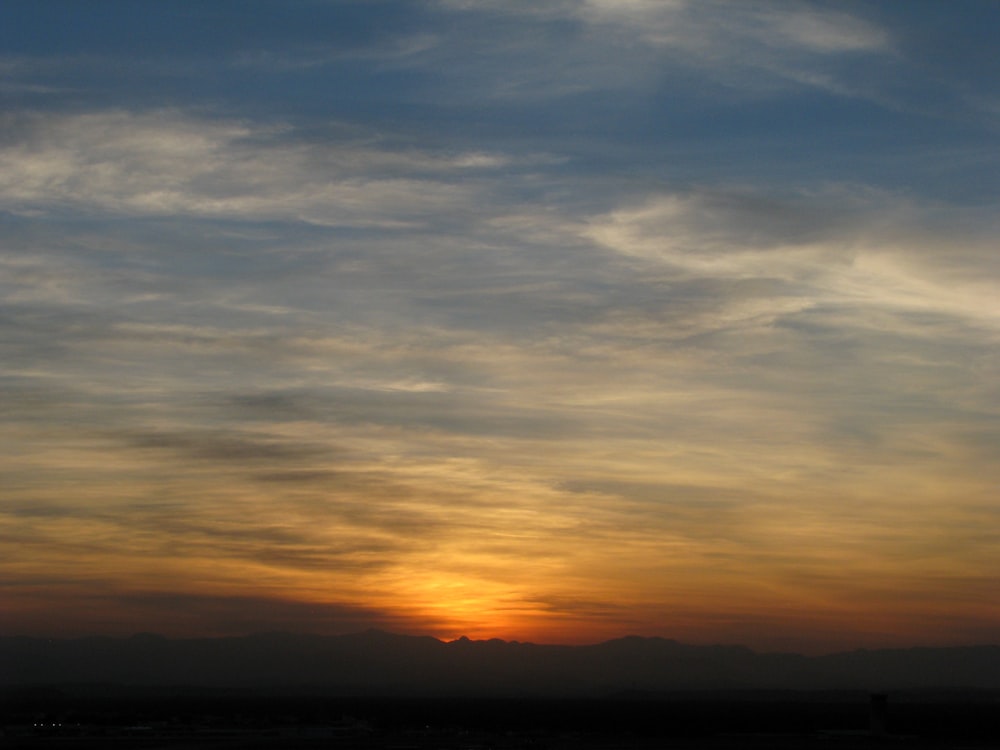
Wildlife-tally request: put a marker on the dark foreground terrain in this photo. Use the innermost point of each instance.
(95, 716)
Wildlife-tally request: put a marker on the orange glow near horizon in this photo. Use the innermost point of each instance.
(536, 573)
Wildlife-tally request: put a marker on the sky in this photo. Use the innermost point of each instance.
(550, 321)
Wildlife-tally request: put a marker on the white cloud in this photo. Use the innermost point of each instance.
(708, 26)
(165, 163)
(841, 249)
(750, 47)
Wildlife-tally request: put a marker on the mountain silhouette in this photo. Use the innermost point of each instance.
(377, 662)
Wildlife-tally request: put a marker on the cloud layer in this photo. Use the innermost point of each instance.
(529, 353)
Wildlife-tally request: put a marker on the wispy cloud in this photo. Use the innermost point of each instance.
(757, 47)
(502, 318)
(709, 27)
(163, 164)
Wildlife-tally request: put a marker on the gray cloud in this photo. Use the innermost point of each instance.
(228, 447)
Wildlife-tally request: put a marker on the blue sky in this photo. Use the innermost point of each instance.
(549, 320)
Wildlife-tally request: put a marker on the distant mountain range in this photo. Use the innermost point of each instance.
(375, 662)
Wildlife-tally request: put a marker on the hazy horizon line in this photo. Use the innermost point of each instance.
(513, 641)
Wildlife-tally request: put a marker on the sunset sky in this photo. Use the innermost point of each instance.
(547, 320)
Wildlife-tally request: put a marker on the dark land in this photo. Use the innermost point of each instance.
(380, 691)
